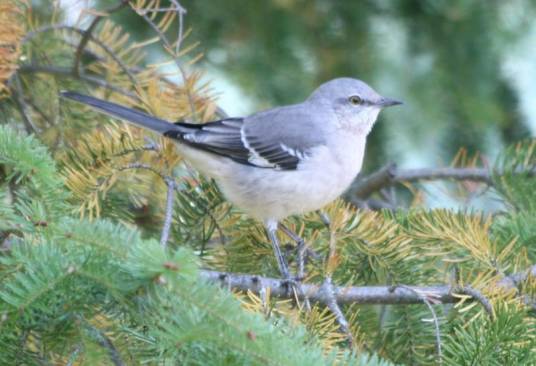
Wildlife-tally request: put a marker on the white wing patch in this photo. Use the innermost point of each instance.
(293, 152)
(254, 157)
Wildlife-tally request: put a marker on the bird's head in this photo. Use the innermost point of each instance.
(355, 103)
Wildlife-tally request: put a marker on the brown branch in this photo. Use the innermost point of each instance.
(389, 295)
(130, 71)
(390, 175)
(90, 37)
(88, 34)
(67, 73)
(220, 113)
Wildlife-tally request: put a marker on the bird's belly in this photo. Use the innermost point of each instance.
(272, 194)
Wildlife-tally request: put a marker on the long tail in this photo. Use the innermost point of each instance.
(136, 117)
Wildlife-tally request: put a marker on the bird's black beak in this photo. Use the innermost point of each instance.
(388, 102)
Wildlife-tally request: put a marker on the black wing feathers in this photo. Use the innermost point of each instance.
(221, 137)
(273, 152)
(225, 137)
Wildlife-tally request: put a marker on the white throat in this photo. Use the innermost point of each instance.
(358, 123)
(367, 119)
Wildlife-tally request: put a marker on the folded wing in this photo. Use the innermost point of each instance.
(277, 139)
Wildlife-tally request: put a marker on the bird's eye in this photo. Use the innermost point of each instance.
(355, 100)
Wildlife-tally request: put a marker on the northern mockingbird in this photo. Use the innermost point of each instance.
(280, 162)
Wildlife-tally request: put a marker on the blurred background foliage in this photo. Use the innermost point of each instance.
(450, 61)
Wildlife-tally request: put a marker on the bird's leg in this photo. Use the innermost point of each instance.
(302, 248)
(271, 229)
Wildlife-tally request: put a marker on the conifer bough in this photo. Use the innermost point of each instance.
(387, 295)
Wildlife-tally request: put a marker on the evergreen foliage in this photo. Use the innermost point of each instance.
(71, 284)
(84, 280)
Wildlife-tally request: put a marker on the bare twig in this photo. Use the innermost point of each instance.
(221, 235)
(390, 295)
(146, 147)
(87, 35)
(107, 344)
(390, 175)
(143, 166)
(424, 297)
(67, 73)
(39, 111)
(220, 112)
(328, 293)
(90, 37)
(344, 295)
(370, 203)
(169, 46)
(327, 290)
(514, 280)
(477, 295)
(181, 11)
(47, 28)
(169, 211)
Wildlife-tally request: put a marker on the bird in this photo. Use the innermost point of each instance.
(283, 161)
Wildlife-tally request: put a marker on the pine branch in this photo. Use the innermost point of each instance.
(390, 175)
(389, 295)
(85, 34)
(220, 112)
(88, 34)
(68, 73)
